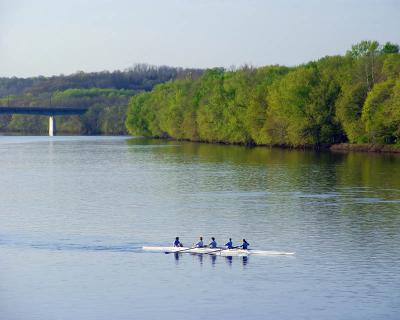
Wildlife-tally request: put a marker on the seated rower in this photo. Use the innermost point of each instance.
(229, 244)
(177, 243)
(200, 243)
(213, 243)
(245, 244)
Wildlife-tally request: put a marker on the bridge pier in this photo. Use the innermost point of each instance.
(52, 126)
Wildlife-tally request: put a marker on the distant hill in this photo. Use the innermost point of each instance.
(106, 93)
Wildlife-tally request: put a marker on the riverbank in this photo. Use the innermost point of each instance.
(340, 147)
(365, 147)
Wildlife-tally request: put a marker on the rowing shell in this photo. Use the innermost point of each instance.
(219, 251)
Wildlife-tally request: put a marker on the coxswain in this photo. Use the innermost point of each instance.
(177, 243)
(213, 243)
(200, 243)
(229, 244)
(245, 244)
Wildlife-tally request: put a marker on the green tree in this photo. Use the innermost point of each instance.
(137, 120)
(112, 120)
(28, 124)
(256, 112)
(172, 114)
(348, 111)
(381, 113)
(391, 66)
(211, 104)
(302, 107)
(389, 47)
(365, 54)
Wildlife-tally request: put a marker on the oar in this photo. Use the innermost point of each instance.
(221, 250)
(167, 252)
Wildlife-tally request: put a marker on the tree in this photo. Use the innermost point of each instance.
(389, 47)
(139, 115)
(391, 66)
(349, 108)
(363, 48)
(256, 112)
(381, 113)
(211, 101)
(365, 53)
(301, 107)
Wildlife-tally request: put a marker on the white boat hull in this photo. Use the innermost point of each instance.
(218, 251)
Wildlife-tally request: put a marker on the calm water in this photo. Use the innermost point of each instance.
(75, 211)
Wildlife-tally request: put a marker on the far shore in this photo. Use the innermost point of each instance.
(339, 147)
(365, 147)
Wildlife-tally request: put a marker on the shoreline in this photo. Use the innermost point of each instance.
(337, 147)
(365, 147)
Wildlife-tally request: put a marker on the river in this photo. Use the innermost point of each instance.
(75, 212)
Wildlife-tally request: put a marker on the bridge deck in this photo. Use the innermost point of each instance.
(44, 111)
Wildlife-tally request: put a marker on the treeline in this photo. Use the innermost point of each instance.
(106, 94)
(354, 98)
(140, 77)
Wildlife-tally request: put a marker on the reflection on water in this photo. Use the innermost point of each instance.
(75, 212)
(305, 171)
(212, 258)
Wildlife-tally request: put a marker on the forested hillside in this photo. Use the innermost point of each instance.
(106, 93)
(352, 98)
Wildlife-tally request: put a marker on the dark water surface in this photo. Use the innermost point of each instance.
(75, 212)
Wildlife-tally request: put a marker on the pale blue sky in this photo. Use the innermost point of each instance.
(47, 37)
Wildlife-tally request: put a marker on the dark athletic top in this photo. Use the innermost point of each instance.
(199, 244)
(213, 244)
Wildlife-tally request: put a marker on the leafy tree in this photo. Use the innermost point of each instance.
(256, 113)
(391, 66)
(389, 47)
(381, 113)
(237, 91)
(28, 124)
(365, 55)
(112, 120)
(363, 48)
(176, 97)
(302, 107)
(137, 121)
(348, 111)
(211, 104)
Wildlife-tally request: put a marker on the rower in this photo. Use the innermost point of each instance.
(245, 244)
(229, 244)
(200, 243)
(213, 243)
(177, 243)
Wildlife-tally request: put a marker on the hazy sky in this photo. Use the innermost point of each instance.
(46, 37)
